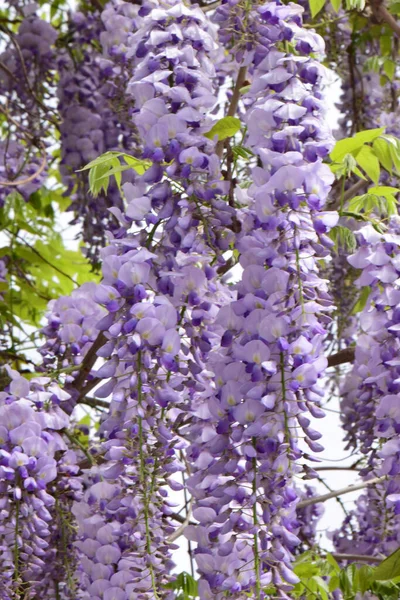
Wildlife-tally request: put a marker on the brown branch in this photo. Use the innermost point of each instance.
(357, 558)
(94, 402)
(89, 360)
(336, 493)
(382, 14)
(350, 468)
(348, 195)
(343, 356)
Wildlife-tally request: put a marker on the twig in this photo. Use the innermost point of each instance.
(358, 557)
(94, 402)
(180, 519)
(336, 493)
(26, 180)
(186, 520)
(343, 356)
(43, 258)
(349, 468)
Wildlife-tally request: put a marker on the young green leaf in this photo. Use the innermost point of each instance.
(336, 4)
(349, 145)
(316, 6)
(389, 67)
(369, 163)
(388, 568)
(382, 151)
(224, 128)
(362, 300)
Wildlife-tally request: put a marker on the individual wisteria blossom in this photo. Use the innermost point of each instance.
(37, 481)
(265, 372)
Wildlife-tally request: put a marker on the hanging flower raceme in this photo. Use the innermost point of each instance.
(244, 448)
(90, 126)
(28, 63)
(370, 392)
(38, 485)
(160, 293)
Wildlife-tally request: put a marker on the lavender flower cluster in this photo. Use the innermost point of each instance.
(211, 386)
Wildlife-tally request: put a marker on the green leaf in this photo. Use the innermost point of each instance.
(343, 238)
(322, 587)
(388, 568)
(316, 6)
(364, 578)
(336, 4)
(103, 158)
(334, 583)
(382, 151)
(369, 163)
(140, 165)
(349, 145)
(394, 149)
(383, 190)
(332, 561)
(385, 42)
(362, 300)
(389, 67)
(224, 128)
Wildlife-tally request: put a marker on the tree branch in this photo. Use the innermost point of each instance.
(336, 493)
(185, 522)
(382, 14)
(349, 194)
(89, 361)
(358, 557)
(94, 402)
(350, 468)
(343, 356)
(207, 7)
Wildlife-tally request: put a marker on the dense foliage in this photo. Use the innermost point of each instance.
(236, 265)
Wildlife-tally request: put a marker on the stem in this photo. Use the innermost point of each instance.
(142, 474)
(255, 521)
(342, 195)
(358, 557)
(300, 281)
(283, 386)
(16, 545)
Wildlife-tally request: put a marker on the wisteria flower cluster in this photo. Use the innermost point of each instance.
(203, 343)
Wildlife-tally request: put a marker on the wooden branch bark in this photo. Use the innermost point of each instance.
(382, 14)
(336, 493)
(89, 361)
(343, 356)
